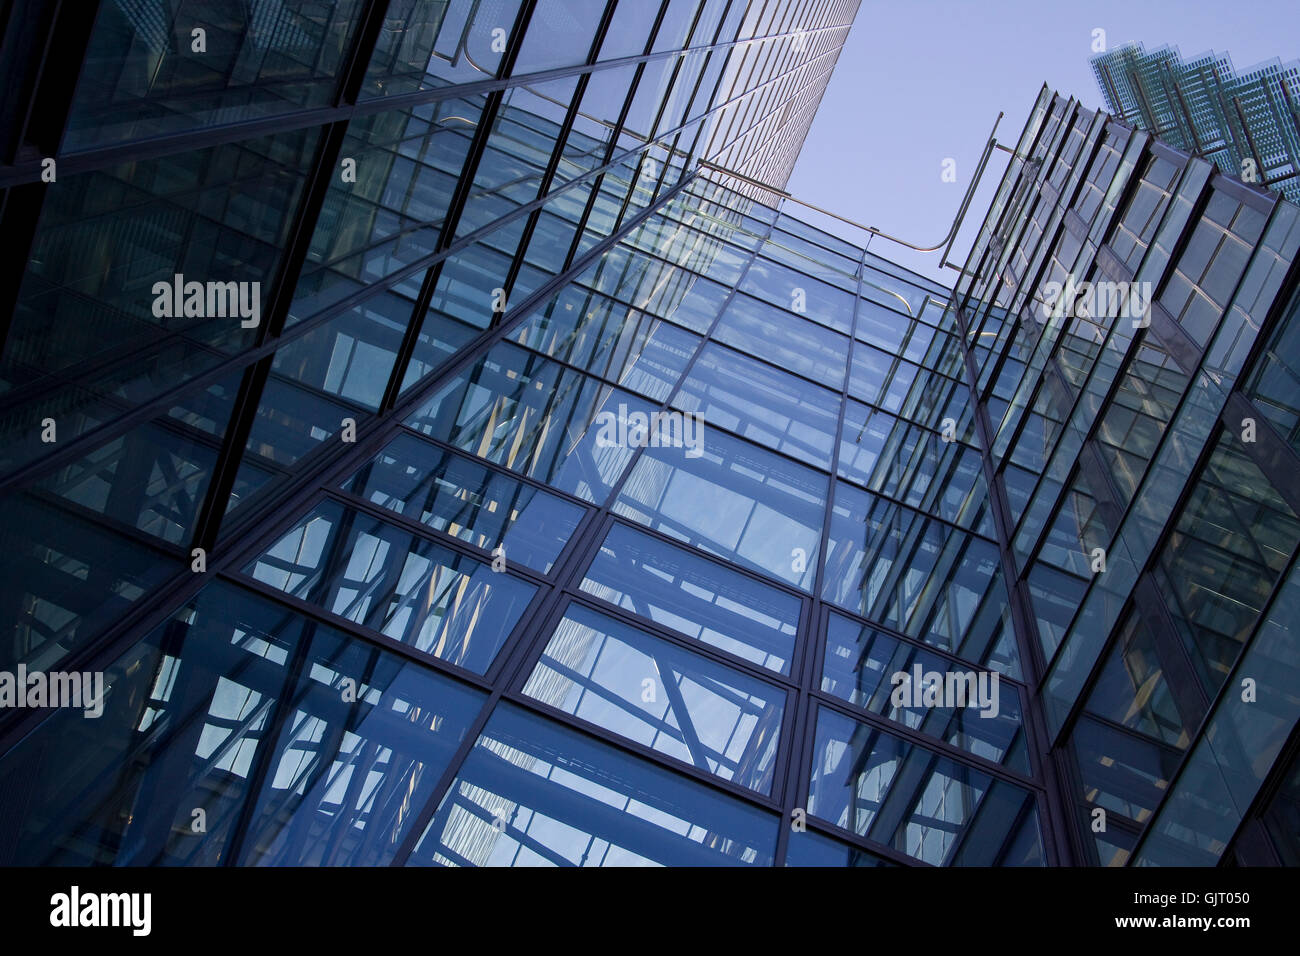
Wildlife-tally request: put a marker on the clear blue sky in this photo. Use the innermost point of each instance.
(922, 80)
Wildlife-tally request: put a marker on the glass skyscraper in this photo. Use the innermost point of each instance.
(451, 447)
(1247, 123)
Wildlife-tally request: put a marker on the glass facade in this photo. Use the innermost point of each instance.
(545, 493)
(1242, 121)
(1144, 467)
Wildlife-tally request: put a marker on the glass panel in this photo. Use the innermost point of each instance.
(892, 457)
(144, 75)
(392, 210)
(1122, 773)
(914, 574)
(813, 260)
(809, 848)
(784, 340)
(431, 43)
(881, 379)
(704, 600)
(1232, 542)
(142, 275)
(1275, 386)
(904, 796)
(652, 285)
(630, 348)
(560, 33)
(660, 695)
(800, 293)
(523, 136)
(463, 499)
(64, 580)
(530, 415)
(878, 672)
(533, 793)
(440, 602)
(736, 501)
(763, 404)
(237, 706)
(690, 248)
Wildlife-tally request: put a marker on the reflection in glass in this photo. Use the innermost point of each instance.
(533, 793)
(702, 599)
(661, 695)
(464, 499)
(736, 501)
(322, 745)
(437, 600)
(762, 403)
(530, 415)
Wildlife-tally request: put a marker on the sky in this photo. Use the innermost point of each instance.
(921, 81)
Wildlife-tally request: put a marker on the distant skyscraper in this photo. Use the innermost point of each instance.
(1247, 124)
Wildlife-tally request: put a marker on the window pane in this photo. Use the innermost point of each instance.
(800, 293)
(660, 695)
(809, 848)
(861, 664)
(736, 501)
(901, 795)
(559, 33)
(629, 348)
(696, 597)
(763, 404)
(437, 600)
(236, 705)
(142, 78)
(466, 500)
(530, 415)
(785, 340)
(914, 574)
(533, 793)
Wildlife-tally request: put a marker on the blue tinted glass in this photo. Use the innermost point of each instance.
(914, 574)
(881, 326)
(813, 260)
(904, 796)
(260, 59)
(800, 293)
(663, 696)
(66, 579)
(533, 793)
(892, 291)
(735, 500)
(238, 705)
(530, 415)
(622, 345)
(462, 498)
(437, 600)
(785, 340)
(919, 467)
(809, 848)
(653, 285)
(695, 596)
(560, 33)
(867, 667)
(690, 248)
(879, 378)
(763, 404)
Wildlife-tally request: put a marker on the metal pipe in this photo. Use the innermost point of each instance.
(947, 240)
